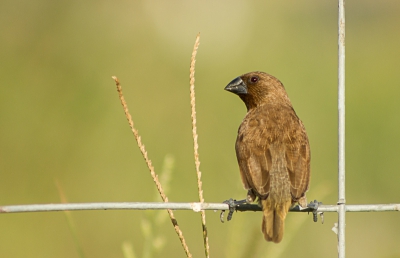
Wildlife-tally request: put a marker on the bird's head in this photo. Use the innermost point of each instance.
(258, 88)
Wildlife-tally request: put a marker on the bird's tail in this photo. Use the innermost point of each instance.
(274, 214)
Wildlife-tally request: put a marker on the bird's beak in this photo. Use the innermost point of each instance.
(237, 86)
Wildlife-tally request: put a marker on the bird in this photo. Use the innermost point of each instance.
(272, 150)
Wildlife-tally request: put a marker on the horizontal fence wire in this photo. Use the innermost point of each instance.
(194, 206)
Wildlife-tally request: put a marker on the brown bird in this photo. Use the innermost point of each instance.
(272, 150)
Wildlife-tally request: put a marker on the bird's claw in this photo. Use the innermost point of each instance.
(232, 207)
(314, 206)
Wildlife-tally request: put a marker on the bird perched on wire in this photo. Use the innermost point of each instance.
(272, 150)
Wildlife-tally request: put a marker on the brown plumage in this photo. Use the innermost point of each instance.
(272, 150)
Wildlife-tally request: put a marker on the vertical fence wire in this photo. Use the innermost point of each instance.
(341, 130)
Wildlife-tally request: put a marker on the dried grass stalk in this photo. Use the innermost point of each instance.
(195, 143)
(150, 166)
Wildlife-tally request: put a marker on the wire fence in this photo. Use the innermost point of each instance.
(341, 131)
(341, 207)
(194, 206)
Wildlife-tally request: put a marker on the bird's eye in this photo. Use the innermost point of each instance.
(254, 79)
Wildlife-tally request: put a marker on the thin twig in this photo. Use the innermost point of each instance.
(150, 166)
(195, 143)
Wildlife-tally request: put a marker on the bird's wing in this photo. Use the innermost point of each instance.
(298, 160)
(254, 159)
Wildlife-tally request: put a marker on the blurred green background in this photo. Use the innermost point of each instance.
(61, 119)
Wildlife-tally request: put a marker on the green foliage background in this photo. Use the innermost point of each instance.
(61, 118)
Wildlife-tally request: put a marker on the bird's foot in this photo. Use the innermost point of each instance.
(232, 207)
(314, 206)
